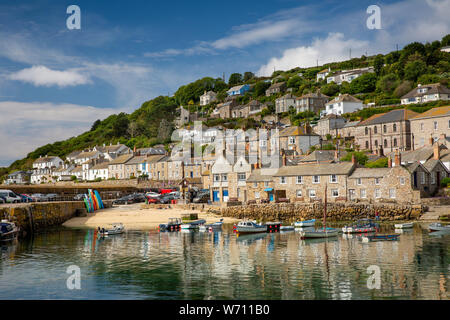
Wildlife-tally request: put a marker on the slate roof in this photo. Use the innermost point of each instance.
(257, 176)
(136, 160)
(296, 131)
(44, 159)
(344, 98)
(435, 112)
(391, 116)
(342, 168)
(103, 165)
(434, 88)
(315, 95)
(122, 159)
(370, 173)
(322, 155)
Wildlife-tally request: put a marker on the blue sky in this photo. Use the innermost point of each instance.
(55, 82)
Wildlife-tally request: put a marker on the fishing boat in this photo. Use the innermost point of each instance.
(117, 228)
(380, 237)
(287, 228)
(404, 225)
(193, 224)
(322, 232)
(211, 227)
(360, 226)
(172, 225)
(250, 227)
(8, 230)
(439, 227)
(306, 223)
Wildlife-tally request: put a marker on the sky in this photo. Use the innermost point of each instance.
(55, 81)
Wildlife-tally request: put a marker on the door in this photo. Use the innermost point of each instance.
(415, 179)
(215, 196)
(225, 195)
(351, 194)
(271, 196)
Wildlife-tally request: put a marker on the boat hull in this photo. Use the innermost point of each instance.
(358, 230)
(438, 227)
(318, 234)
(247, 230)
(404, 225)
(302, 224)
(392, 237)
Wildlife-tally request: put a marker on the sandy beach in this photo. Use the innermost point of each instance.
(135, 218)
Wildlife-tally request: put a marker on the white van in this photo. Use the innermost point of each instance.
(10, 196)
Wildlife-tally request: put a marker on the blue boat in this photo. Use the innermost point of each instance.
(381, 237)
(306, 223)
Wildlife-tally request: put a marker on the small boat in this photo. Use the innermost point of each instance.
(193, 224)
(287, 228)
(172, 225)
(117, 228)
(306, 223)
(319, 233)
(250, 227)
(380, 237)
(211, 227)
(404, 225)
(8, 230)
(439, 227)
(360, 226)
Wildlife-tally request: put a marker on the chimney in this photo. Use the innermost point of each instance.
(354, 159)
(283, 156)
(436, 151)
(389, 162)
(398, 158)
(336, 156)
(431, 140)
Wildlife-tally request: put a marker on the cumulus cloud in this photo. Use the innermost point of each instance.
(333, 48)
(26, 126)
(43, 76)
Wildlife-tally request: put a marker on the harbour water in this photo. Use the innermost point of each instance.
(220, 265)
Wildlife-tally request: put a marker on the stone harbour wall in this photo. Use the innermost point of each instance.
(335, 211)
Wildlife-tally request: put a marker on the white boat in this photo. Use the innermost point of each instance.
(193, 224)
(319, 233)
(439, 227)
(287, 228)
(250, 227)
(211, 227)
(8, 231)
(306, 223)
(117, 228)
(404, 225)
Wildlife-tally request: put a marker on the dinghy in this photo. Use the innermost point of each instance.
(193, 224)
(250, 227)
(8, 231)
(360, 226)
(211, 227)
(173, 225)
(381, 237)
(404, 225)
(306, 223)
(117, 228)
(439, 227)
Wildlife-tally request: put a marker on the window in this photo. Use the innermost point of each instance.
(392, 193)
(333, 178)
(395, 142)
(402, 181)
(394, 127)
(241, 177)
(224, 177)
(256, 195)
(385, 143)
(366, 130)
(359, 181)
(363, 193)
(282, 180)
(255, 184)
(384, 128)
(435, 125)
(217, 177)
(312, 193)
(433, 177)
(423, 177)
(334, 193)
(376, 143)
(266, 184)
(367, 144)
(299, 179)
(316, 179)
(377, 193)
(375, 129)
(291, 140)
(377, 181)
(299, 193)
(421, 126)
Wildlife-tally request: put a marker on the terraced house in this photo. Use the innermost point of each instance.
(116, 168)
(434, 124)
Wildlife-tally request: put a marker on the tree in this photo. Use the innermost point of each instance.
(260, 88)
(428, 78)
(445, 41)
(120, 125)
(379, 163)
(378, 64)
(388, 83)
(96, 124)
(365, 83)
(415, 69)
(330, 89)
(235, 78)
(294, 82)
(403, 88)
(248, 75)
(360, 157)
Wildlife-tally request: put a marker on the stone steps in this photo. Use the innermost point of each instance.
(434, 212)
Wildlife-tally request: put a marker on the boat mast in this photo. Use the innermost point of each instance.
(325, 210)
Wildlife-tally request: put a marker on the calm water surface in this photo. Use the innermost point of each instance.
(151, 265)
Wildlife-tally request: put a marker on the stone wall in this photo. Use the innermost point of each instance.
(335, 211)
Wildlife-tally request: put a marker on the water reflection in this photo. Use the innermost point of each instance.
(222, 265)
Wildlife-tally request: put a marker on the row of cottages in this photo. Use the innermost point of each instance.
(336, 125)
(313, 102)
(43, 168)
(426, 93)
(348, 75)
(391, 130)
(434, 123)
(19, 177)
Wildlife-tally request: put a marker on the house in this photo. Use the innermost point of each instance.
(260, 184)
(348, 131)
(87, 155)
(219, 179)
(344, 103)
(116, 168)
(151, 162)
(151, 151)
(241, 111)
(254, 106)
(276, 88)
(238, 90)
(160, 169)
(223, 110)
(322, 75)
(47, 162)
(313, 102)
(391, 130)
(18, 177)
(112, 151)
(306, 182)
(99, 171)
(63, 173)
(348, 75)
(445, 49)
(285, 102)
(298, 138)
(323, 156)
(72, 156)
(434, 123)
(237, 179)
(135, 167)
(426, 93)
(207, 98)
(185, 116)
(330, 124)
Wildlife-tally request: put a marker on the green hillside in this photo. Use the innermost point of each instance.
(396, 73)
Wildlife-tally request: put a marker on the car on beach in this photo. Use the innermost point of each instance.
(152, 194)
(9, 196)
(131, 198)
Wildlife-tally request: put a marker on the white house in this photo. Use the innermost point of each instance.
(344, 103)
(348, 75)
(87, 155)
(426, 93)
(322, 75)
(47, 162)
(207, 98)
(99, 171)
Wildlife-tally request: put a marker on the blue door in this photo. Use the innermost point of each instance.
(271, 196)
(215, 196)
(225, 195)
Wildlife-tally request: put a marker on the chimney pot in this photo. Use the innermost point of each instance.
(436, 151)
(398, 158)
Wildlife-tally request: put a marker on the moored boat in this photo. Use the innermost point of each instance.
(306, 223)
(439, 227)
(287, 228)
(319, 233)
(211, 227)
(117, 228)
(8, 230)
(360, 226)
(250, 227)
(173, 225)
(380, 237)
(193, 224)
(404, 225)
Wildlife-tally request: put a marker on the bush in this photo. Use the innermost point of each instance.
(361, 157)
(445, 182)
(380, 163)
(73, 178)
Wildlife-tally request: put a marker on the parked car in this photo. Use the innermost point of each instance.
(79, 197)
(131, 198)
(152, 194)
(2, 200)
(201, 197)
(52, 197)
(167, 198)
(38, 197)
(175, 194)
(26, 198)
(10, 196)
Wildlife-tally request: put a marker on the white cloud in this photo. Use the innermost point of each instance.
(332, 48)
(43, 76)
(26, 126)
